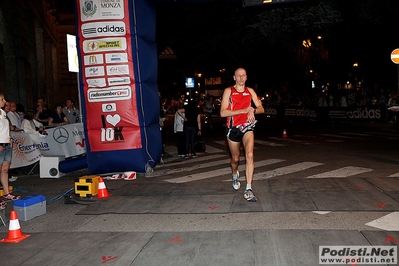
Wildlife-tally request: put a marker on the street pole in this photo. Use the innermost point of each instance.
(397, 67)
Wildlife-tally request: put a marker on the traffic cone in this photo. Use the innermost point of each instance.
(102, 189)
(284, 134)
(14, 231)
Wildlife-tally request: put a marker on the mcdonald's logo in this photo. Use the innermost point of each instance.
(92, 59)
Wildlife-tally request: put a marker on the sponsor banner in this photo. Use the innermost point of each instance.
(108, 80)
(103, 29)
(65, 141)
(109, 94)
(101, 9)
(94, 59)
(337, 113)
(116, 58)
(100, 82)
(104, 45)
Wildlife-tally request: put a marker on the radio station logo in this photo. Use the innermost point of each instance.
(104, 45)
(111, 134)
(108, 107)
(99, 29)
(100, 82)
(95, 59)
(116, 58)
(118, 93)
(118, 70)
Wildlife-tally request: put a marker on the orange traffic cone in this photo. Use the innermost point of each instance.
(14, 231)
(102, 189)
(284, 134)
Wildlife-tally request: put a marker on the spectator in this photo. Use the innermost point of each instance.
(13, 117)
(31, 126)
(71, 112)
(192, 126)
(179, 130)
(58, 118)
(42, 113)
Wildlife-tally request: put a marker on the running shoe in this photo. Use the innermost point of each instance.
(236, 182)
(3, 205)
(249, 195)
(13, 178)
(194, 155)
(9, 197)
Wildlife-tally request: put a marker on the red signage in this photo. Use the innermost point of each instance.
(108, 75)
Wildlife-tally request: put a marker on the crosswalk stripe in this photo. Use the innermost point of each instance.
(218, 172)
(161, 169)
(388, 222)
(357, 134)
(200, 166)
(284, 170)
(268, 143)
(336, 136)
(211, 149)
(394, 175)
(342, 172)
(288, 140)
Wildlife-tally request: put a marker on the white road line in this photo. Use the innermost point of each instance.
(357, 134)
(342, 172)
(221, 142)
(211, 149)
(218, 172)
(288, 140)
(284, 170)
(336, 136)
(200, 166)
(394, 175)
(161, 169)
(388, 222)
(268, 143)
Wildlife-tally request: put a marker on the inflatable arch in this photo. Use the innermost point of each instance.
(118, 84)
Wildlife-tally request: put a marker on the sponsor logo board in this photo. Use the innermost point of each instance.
(94, 71)
(101, 9)
(100, 82)
(108, 107)
(116, 58)
(119, 81)
(104, 45)
(95, 59)
(118, 70)
(106, 28)
(118, 93)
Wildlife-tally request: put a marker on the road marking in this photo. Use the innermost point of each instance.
(357, 134)
(268, 143)
(288, 140)
(218, 172)
(336, 136)
(161, 169)
(342, 172)
(321, 212)
(388, 222)
(200, 166)
(284, 170)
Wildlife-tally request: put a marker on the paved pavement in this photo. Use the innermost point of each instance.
(186, 212)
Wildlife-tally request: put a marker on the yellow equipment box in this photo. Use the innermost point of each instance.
(2, 191)
(87, 186)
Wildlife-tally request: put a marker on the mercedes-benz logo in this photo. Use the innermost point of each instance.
(60, 135)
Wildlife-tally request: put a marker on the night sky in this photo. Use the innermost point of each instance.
(213, 35)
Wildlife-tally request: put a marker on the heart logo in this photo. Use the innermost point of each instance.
(113, 119)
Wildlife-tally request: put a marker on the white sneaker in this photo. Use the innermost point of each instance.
(13, 178)
(236, 182)
(249, 195)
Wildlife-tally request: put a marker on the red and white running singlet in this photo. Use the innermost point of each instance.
(237, 101)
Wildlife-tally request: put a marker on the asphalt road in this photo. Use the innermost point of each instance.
(323, 178)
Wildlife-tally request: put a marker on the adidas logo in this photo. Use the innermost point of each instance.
(167, 54)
